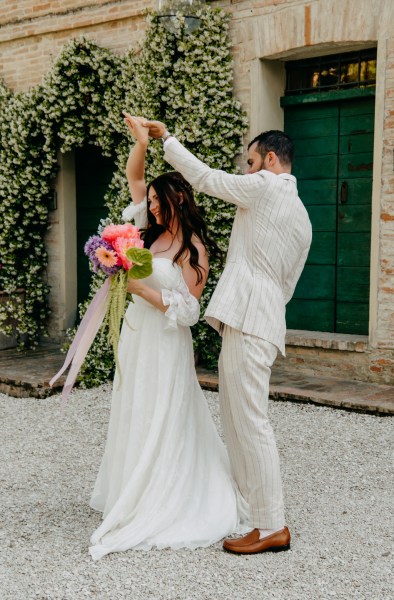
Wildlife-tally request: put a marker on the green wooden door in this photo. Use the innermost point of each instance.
(333, 165)
(93, 173)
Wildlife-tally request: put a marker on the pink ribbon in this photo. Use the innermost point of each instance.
(83, 339)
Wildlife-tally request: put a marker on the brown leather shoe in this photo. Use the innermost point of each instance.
(252, 544)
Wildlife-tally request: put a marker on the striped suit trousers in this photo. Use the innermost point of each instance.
(244, 372)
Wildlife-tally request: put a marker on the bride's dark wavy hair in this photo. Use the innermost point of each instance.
(174, 191)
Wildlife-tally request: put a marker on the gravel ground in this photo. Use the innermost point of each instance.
(337, 472)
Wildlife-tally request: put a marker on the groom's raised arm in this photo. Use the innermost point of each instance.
(241, 190)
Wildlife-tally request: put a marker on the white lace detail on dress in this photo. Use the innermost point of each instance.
(137, 213)
(183, 307)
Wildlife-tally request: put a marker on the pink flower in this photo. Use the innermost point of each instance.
(112, 232)
(121, 245)
(108, 258)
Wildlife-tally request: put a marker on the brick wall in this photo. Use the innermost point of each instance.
(372, 365)
(32, 33)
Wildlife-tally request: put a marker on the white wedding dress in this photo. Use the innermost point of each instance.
(164, 480)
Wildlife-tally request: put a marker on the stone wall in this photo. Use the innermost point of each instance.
(337, 355)
(385, 319)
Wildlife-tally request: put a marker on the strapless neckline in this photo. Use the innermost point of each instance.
(167, 259)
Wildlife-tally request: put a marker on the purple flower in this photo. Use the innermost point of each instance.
(93, 243)
(110, 270)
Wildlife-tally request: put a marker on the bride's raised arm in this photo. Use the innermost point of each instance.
(135, 167)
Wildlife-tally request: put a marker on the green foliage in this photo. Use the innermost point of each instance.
(185, 81)
(142, 263)
(25, 177)
(68, 110)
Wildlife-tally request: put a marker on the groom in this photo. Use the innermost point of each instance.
(269, 244)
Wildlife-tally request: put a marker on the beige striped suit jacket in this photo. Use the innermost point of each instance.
(269, 244)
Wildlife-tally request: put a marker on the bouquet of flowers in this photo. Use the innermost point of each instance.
(119, 252)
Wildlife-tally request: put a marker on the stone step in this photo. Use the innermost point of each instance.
(27, 374)
(328, 391)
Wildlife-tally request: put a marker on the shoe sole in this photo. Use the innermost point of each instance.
(272, 549)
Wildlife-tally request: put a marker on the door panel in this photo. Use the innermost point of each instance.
(93, 173)
(359, 191)
(312, 315)
(310, 112)
(323, 217)
(314, 147)
(359, 290)
(333, 166)
(353, 250)
(324, 249)
(316, 130)
(351, 317)
(355, 143)
(354, 218)
(357, 123)
(357, 107)
(356, 165)
(323, 191)
(317, 167)
(355, 162)
(318, 283)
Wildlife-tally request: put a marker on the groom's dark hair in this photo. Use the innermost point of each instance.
(275, 141)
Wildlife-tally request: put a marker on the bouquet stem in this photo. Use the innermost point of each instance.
(116, 310)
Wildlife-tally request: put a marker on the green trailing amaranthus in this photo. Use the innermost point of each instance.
(116, 310)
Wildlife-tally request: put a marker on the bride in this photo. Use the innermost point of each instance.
(165, 479)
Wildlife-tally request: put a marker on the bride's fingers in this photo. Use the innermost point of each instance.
(141, 121)
(126, 114)
(130, 126)
(131, 119)
(135, 117)
(135, 123)
(137, 120)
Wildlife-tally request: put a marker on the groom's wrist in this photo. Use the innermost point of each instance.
(165, 136)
